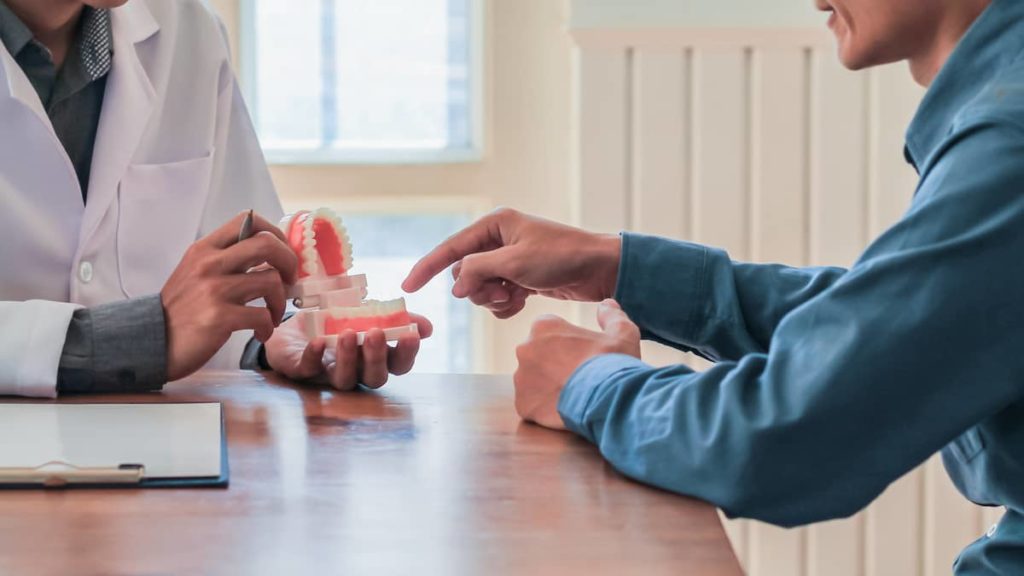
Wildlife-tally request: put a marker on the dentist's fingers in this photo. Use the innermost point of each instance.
(310, 364)
(250, 318)
(263, 247)
(402, 357)
(227, 234)
(345, 371)
(374, 373)
(423, 326)
(266, 284)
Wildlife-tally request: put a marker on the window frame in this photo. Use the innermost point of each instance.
(383, 156)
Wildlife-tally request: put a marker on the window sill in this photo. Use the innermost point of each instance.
(279, 157)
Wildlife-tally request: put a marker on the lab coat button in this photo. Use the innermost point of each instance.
(85, 272)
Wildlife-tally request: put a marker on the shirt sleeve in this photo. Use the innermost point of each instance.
(695, 298)
(118, 347)
(916, 344)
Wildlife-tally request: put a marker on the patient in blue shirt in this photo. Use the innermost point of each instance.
(828, 384)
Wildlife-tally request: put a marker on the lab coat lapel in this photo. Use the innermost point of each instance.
(15, 87)
(127, 106)
(18, 86)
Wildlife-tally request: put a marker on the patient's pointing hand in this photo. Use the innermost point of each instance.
(506, 256)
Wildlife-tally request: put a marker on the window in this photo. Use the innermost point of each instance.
(385, 247)
(363, 81)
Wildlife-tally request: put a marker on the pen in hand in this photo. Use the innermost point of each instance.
(246, 230)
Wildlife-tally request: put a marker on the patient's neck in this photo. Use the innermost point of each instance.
(52, 22)
(956, 19)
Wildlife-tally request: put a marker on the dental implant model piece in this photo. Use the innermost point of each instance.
(330, 299)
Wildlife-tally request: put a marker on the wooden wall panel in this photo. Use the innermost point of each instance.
(660, 156)
(721, 207)
(780, 173)
(604, 138)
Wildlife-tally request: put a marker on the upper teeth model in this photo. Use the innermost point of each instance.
(320, 241)
(324, 250)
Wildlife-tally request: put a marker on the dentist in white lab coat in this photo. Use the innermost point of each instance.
(121, 271)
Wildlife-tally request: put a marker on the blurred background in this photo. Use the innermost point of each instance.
(727, 122)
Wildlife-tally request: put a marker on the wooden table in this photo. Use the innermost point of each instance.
(431, 475)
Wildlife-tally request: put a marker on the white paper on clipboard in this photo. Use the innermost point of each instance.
(169, 440)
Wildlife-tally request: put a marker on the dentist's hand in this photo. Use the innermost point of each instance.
(556, 349)
(346, 365)
(205, 298)
(506, 256)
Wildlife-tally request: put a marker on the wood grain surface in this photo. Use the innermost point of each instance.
(430, 475)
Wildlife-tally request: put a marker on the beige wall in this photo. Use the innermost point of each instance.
(526, 157)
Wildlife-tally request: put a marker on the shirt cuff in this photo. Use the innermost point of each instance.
(663, 286)
(117, 347)
(254, 357)
(575, 401)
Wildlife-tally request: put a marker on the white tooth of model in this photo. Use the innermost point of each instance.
(331, 300)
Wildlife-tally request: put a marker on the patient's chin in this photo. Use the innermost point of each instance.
(852, 63)
(861, 55)
(854, 58)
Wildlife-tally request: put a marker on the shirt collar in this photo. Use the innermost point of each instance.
(90, 59)
(14, 34)
(95, 42)
(992, 42)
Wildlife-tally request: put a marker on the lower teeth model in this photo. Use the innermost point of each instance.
(333, 301)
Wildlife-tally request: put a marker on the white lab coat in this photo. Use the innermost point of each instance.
(175, 157)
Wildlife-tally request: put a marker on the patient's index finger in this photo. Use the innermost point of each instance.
(480, 236)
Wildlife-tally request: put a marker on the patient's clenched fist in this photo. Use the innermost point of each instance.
(555, 349)
(205, 298)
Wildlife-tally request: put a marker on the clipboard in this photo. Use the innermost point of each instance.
(153, 445)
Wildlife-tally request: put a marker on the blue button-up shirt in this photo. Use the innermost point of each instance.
(830, 384)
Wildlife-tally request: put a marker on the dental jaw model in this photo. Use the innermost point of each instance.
(331, 300)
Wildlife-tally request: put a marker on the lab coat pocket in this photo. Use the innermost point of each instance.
(160, 212)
